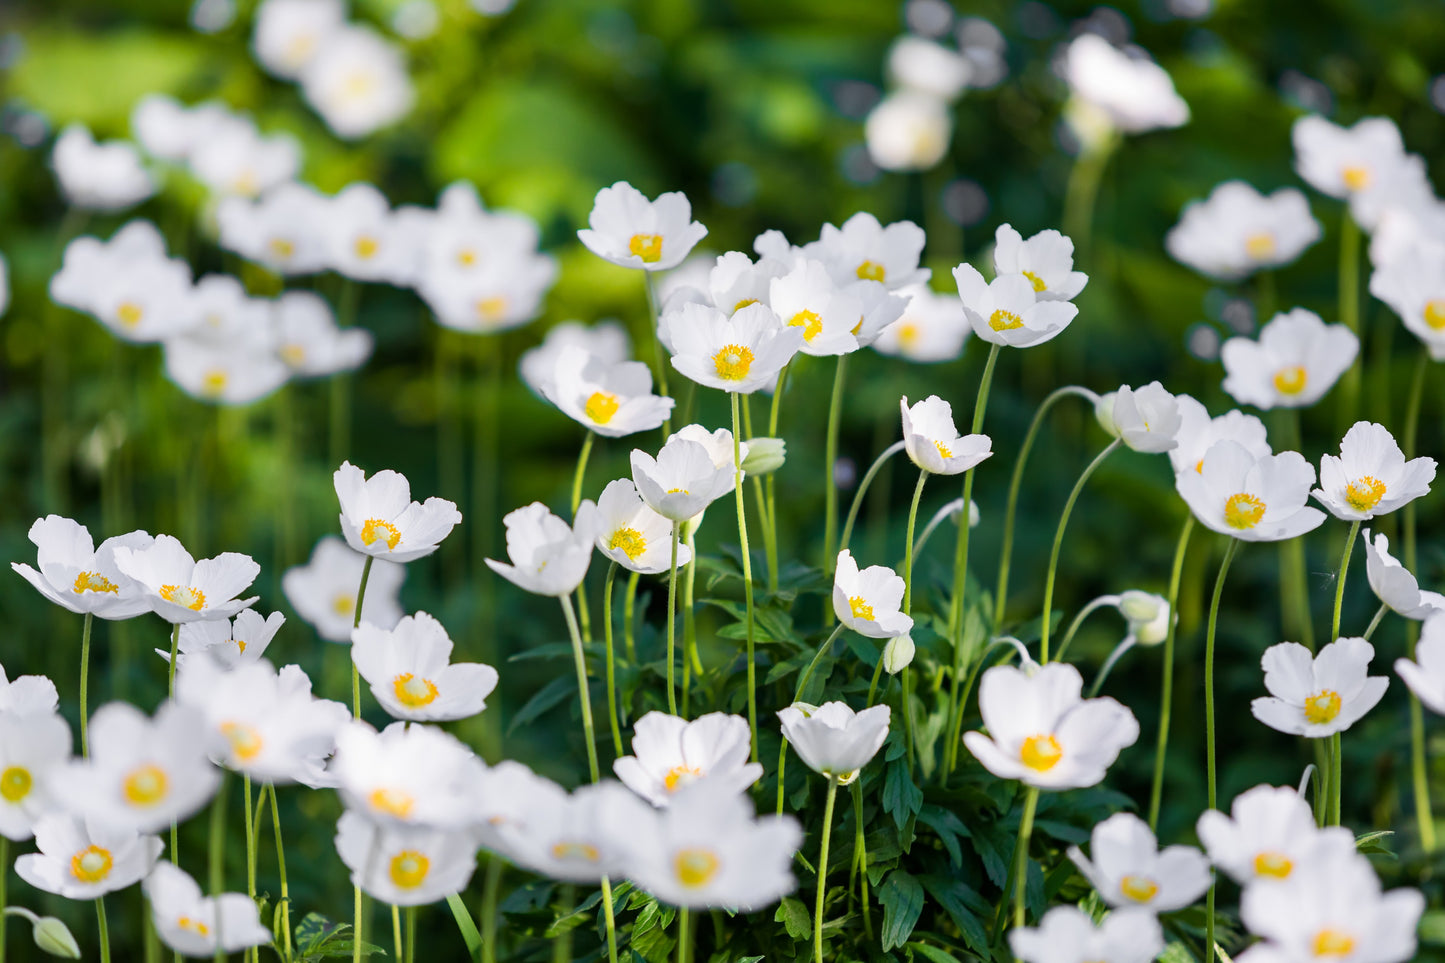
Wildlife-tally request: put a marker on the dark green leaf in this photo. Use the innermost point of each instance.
(964, 906)
(549, 695)
(901, 795)
(795, 919)
(902, 899)
(933, 953)
(947, 826)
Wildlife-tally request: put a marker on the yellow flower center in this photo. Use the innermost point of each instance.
(393, 802)
(91, 865)
(1041, 753)
(129, 313)
(357, 86)
(1036, 281)
(146, 786)
(733, 361)
(1364, 493)
(646, 246)
(343, 604)
(299, 49)
(600, 407)
(491, 309)
(1435, 313)
(213, 382)
(743, 303)
(673, 491)
(860, 607)
(1322, 707)
(281, 249)
(1277, 865)
(375, 529)
(15, 783)
(679, 776)
(1260, 246)
(907, 335)
(943, 450)
(94, 582)
(572, 850)
(246, 742)
(245, 183)
(412, 692)
(809, 321)
(1291, 379)
(695, 867)
(1356, 178)
(409, 868)
(184, 596)
(240, 645)
(629, 540)
(1330, 942)
(1002, 320)
(293, 354)
(193, 926)
(1140, 889)
(366, 247)
(466, 257)
(871, 271)
(1243, 511)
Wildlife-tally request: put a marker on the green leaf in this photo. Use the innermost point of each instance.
(464, 923)
(933, 953)
(901, 795)
(1374, 843)
(795, 919)
(549, 695)
(902, 899)
(948, 827)
(318, 938)
(964, 906)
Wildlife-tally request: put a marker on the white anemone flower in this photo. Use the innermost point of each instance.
(195, 925)
(1318, 695)
(927, 66)
(1269, 832)
(1426, 675)
(171, 131)
(358, 82)
(671, 753)
(407, 774)
(323, 591)
(1297, 359)
(76, 575)
(282, 229)
(230, 642)
(719, 445)
(227, 315)
(708, 850)
(549, 557)
(1371, 476)
(606, 341)
(865, 250)
(833, 740)
(1254, 499)
(27, 695)
(181, 589)
(1412, 283)
(1343, 161)
(1198, 433)
(405, 865)
(1046, 259)
(233, 158)
(1394, 585)
(1067, 934)
(1147, 615)
(363, 240)
(1134, 92)
(1237, 231)
(85, 859)
(682, 480)
(881, 308)
(1128, 868)
(99, 177)
(508, 798)
(289, 33)
(932, 441)
(1008, 311)
(499, 295)
(379, 518)
(628, 230)
(33, 746)
(732, 283)
(1041, 730)
(410, 671)
(931, 329)
(580, 836)
(235, 373)
(633, 535)
(143, 774)
(738, 354)
(908, 130)
(869, 602)
(309, 341)
(806, 297)
(611, 399)
(140, 300)
(1146, 419)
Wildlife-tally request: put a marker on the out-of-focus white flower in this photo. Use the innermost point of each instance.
(628, 230)
(549, 557)
(127, 284)
(633, 535)
(1268, 833)
(1128, 868)
(1371, 476)
(407, 774)
(1401, 231)
(410, 672)
(224, 373)
(1147, 614)
(1133, 91)
(226, 315)
(1146, 419)
(405, 865)
(868, 602)
(928, 67)
(1318, 695)
(1255, 499)
(323, 591)
(934, 444)
(281, 230)
(228, 642)
(806, 297)
(33, 745)
(932, 328)
(290, 33)
(234, 158)
(379, 518)
(1394, 585)
(170, 131)
(1198, 432)
(363, 240)
(308, 340)
(833, 740)
(581, 836)
(908, 131)
(1067, 934)
(670, 754)
(738, 354)
(683, 480)
(75, 575)
(1343, 161)
(613, 400)
(498, 296)
(416, 19)
(358, 82)
(196, 925)
(1426, 675)
(99, 177)
(865, 250)
(1412, 283)
(732, 283)
(27, 695)
(1008, 310)
(180, 589)
(85, 859)
(1237, 231)
(1046, 259)
(606, 341)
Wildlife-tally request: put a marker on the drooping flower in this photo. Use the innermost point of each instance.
(1146, 419)
(181, 589)
(1041, 730)
(1269, 832)
(549, 557)
(310, 342)
(1371, 476)
(1297, 359)
(1046, 259)
(289, 33)
(1147, 614)
(1127, 867)
(1067, 934)
(323, 591)
(1237, 231)
(671, 753)
(932, 327)
(75, 575)
(683, 480)
(932, 441)
(1254, 499)
(1318, 695)
(411, 675)
(358, 82)
(407, 774)
(1008, 311)
(197, 925)
(607, 341)
(379, 518)
(633, 535)
(869, 602)
(83, 859)
(405, 865)
(908, 131)
(99, 177)
(613, 400)
(579, 836)
(229, 642)
(628, 230)
(1133, 92)
(1394, 585)
(739, 354)
(1426, 675)
(32, 746)
(1198, 432)
(833, 740)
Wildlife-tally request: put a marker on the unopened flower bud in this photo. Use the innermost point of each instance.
(1104, 414)
(764, 455)
(898, 654)
(51, 935)
(1147, 614)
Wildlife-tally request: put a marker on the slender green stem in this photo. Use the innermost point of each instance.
(629, 623)
(583, 610)
(1021, 858)
(284, 906)
(103, 929)
(490, 887)
(250, 842)
(411, 934)
(672, 621)
(1128, 642)
(611, 659)
(689, 626)
(1166, 686)
(356, 623)
(1375, 621)
(611, 919)
(1336, 748)
(830, 462)
(857, 504)
(860, 847)
(770, 509)
(1349, 309)
(581, 661)
(747, 577)
(908, 607)
(1340, 582)
(1294, 580)
(684, 935)
(798, 694)
(175, 651)
(1337, 767)
(398, 944)
(823, 871)
(1209, 709)
(873, 686)
(339, 438)
(944, 512)
(1420, 785)
(85, 694)
(659, 357)
(1074, 626)
(1058, 544)
(216, 843)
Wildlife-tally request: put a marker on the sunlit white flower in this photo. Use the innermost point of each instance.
(1237, 231)
(1341, 161)
(1008, 311)
(633, 535)
(833, 740)
(323, 591)
(1394, 585)
(807, 297)
(607, 341)
(226, 315)
(581, 836)
(281, 229)
(1146, 419)
(180, 589)
(411, 675)
(733, 282)
(235, 373)
(27, 695)
(908, 130)
(289, 33)
(612, 400)
(309, 341)
(1269, 832)
(405, 865)
(740, 354)
(1296, 360)
(1198, 433)
(1255, 499)
(357, 82)
(549, 557)
(1041, 730)
(379, 518)
(868, 602)
(171, 131)
(407, 773)
(926, 66)
(233, 158)
(670, 753)
(627, 229)
(128, 284)
(85, 859)
(865, 250)
(1426, 675)
(75, 575)
(363, 240)
(32, 746)
(1133, 91)
(932, 328)
(1412, 283)
(229, 642)
(934, 444)
(1371, 476)
(506, 800)
(1318, 695)
(719, 444)
(1046, 259)
(1127, 867)
(683, 479)
(197, 925)
(99, 177)
(881, 308)
(1067, 934)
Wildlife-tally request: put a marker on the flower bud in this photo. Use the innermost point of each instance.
(1104, 414)
(764, 455)
(898, 654)
(1148, 616)
(51, 935)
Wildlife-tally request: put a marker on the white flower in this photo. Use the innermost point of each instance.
(833, 740)
(1318, 695)
(75, 575)
(226, 315)
(882, 307)
(85, 859)
(607, 342)
(1067, 934)
(741, 353)
(928, 67)
(99, 177)
(1371, 476)
(868, 601)
(1426, 675)
(549, 557)
(357, 82)
(235, 373)
(170, 131)
(864, 250)
(89, 261)
(732, 283)
(1341, 161)
(932, 328)
(1418, 229)
(670, 753)
(628, 230)
(1394, 585)
(410, 673)
(27, 695)
(407, 774)
(128, 284)
(379, 518)
(1133, 91)
(142, 774)
(498, 295)
(1255, 499)
(1146, 419)
(898, 654)
(289, 33)
(508, 797)
(33, 745)
(611, 399)
(581, 836)
(1128, 868)
(281, 230)
(1237, 231)
(1046, 259)
(1296, 360)
(197, 925)
(180, 589)
(1198, 433)
(633, 535)
(934, 444)
(233, 158)
(807, 298)
(719, 445)
(683, 480)
(1042, 732)
(363, 239)
(1008, 311)
(1148, 616)
(908, 131)
(229, 642)
(1412, 283)
(323, 591)
(1269, 832)
(309, 341)
(405, 865)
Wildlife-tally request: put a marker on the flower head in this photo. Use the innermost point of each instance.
(807, 297)
(1296, 360)
(407, 774)
(281, 229)
(549, 557)
(32, 747)
(611, 399)
(379, 518)
(405, 865)
(865, 250)
(1008, 310)
(670, 754)
(227, 373)
(1238, 231)
(606, 342)
(309, 341)
(931, 328)
(181, 589)
(1371, 476)
(289, 33)
(1344, 161)
(1318, 695)
(628, 230)
(229, 642)
(1268, 833)
(83, 859)
(1393, 584)
(1412, 283)
(1198, 432)
(932, 441)
(1254, 499)
(633, 535)
(1127, 867)
(683, 480)
(1426, 675)
(908, 131)
(579, 836)
(411, 675)
(1148, 615)
(99, 177)
(1146, 419)
(1067, 934)
(1046, 259)
(197, 925)
(1133, 91)
(358, 82)
(833, 740)
(323, 591)
(868, 601)
(738, 354)
(75, 575)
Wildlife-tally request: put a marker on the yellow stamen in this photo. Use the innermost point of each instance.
(15, 783)
(600, 407)
(366, 247)
(1291, 379)
(1276, 865)
(809, 321)
(1364, 493)
(94, 582)
(245, 183)
(91, 865)
(871, 271)
(907, 334)
(357, 86)
(1243, 511)
(241, 645)
(733, 361)
(281, 249)
(375, 529)
(1260, 247)
(743, 303)
(213, 382)
(629, 540)
(673, 491)
(393, 802)
(943, 449)
(246, 742)
(1041, 753)
(1002, 320)
(1435, 313)
(646, 246)
(293, 354)
(695, 867)
(467, 257)
(409, 868)
(1322, 707)
(1330, 942)
(412, 692)
(129, 313)
(146, 786)
(1140, 889)
(184, 596)
(583, 851)
(1356, 178)
(1036, 281)
(193, 926)
(679, 776)
(860, 607)
(344, 604)
(491, 310)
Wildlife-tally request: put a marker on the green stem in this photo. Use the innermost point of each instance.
(490, 887)
(103, 928)
(1074, 626)
(284, 906)
(659, 358)
(583, 611)
(823, 871)
(797, 695)
(747, 576)
(689, 626)
(868, 477)
(684, 943)
(873, 686)
(1337, 766)
(1209, 709)
(1375, 621)
(1340, 583)
(581, 661)
(1294, 580)
(398, 945)
(411, 934)
(85, 694)
(672, 620)
(908, 606)
(216, 845)
(171, 671)
(629, 603)
(1166, 689)
(1021, 858)
(611, 659)
(356, 623)
(1424, 817)
(860, 847)
(611, 921)
(1058, 544)
(1349, 309)
(250, 842)
(830, 462)
(770, 511)
(340, 425)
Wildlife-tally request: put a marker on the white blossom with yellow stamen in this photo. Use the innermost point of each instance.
(283, 229)
(363, 241)
(323, 591)
(379, 518)
(99, 176)
(548, 556)
(1046, 259)
(1345, 161)
(628, 230)
(405, 865)
(1269, 832)
(1198, 432)
(181, 589)
(611, 399)
(932, 441)
(932, 327)
(1371, 477)
(580, 836)
(76, 575)
(1254, 499)
(195, 925)
(309, 341)
(1297, 359)
(1007, 311)
(607, 341)
(1237, 231)
(1128, 868)
(671, 753)
(869, 602)
(497, 295)
(83, 859)
(1145, 419)
(682, 480)
(231, 373)
(33, 746)
(1426, 674)
(1412, 283)
(230, 642)
(1066, 934)
(829, 315)
(407, 774)
(88, 259)
(358, 82)
(226, 315)
(865, 250)
(632, 534)
(1318, 695)
(289, 33)
(231, 157)
(410, 671)
(832, 739)
(739, 354)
